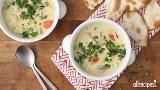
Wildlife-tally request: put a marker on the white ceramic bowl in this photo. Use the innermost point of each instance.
(68, 47)
(13, 36)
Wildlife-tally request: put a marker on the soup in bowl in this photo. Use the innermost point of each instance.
(28, 20)
(98, 49)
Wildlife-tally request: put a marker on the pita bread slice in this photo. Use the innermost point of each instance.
(115, 10)
(91, 4)
(134, 5)
(118, 7)
(135, 26)
(152, 15)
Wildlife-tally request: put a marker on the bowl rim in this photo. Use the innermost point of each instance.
(10, 34)
(127, 43)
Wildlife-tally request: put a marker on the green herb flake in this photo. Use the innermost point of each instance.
(35, 2)
(31, 11)
(13, 3)
(25, 34)
(101, 50)
(108, 59)
(107, 66)
(80, 45)
(37, 14)
(95, 37)
(104, 37)
(30, 29)
(24, 15)
(90, 44)
(133, 73)
(35, 22)
(34, 34)
(46, 3)
(22, 3)
(122, 52)
(43, 17)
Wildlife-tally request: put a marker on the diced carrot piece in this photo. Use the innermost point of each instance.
(95, 59)
(111, 36)
(47, 24)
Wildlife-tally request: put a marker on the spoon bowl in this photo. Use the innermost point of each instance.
(25, 56)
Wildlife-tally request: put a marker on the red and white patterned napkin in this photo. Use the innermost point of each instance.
(61, 59)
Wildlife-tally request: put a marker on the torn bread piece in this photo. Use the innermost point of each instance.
(91, 4)
(116, 9)
(152, 15)
(134, 5)
(135, 26)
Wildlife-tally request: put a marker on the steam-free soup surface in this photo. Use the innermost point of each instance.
(98, 49)
(28, 18)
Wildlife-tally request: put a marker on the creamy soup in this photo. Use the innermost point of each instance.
(28, 18)
(99, 49)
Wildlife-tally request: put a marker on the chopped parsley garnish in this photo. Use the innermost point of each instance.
(25, 15)
(22, 3)
(29, 8)
(91, 49)
(29, 33)
(115, 49)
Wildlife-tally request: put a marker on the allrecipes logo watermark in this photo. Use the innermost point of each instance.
(146, 84)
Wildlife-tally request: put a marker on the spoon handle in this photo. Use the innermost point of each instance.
(39, 79)
(45, 78)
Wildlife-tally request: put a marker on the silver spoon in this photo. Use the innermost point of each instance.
(26, 56)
